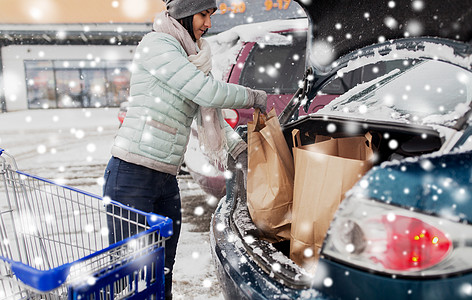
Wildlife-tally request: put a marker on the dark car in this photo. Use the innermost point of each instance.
(403, 231)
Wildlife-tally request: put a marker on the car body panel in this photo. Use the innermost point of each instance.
(437, 185)
(350, 283)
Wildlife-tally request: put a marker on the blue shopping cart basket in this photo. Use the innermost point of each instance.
(56, 242)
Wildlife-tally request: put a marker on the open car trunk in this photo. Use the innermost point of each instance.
(409, 89)
(410, 141)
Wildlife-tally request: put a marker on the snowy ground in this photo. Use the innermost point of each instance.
(72, 146)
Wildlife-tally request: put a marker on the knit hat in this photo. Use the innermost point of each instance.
(179, 9)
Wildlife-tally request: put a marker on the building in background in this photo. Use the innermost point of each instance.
(77, 53)
(231, 13)
(82, 68)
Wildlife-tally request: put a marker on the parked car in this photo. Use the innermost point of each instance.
(273, 63)
(122, 111)
(267, 56)
(403, 231)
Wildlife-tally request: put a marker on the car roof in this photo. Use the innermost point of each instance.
(262, 32)
(351, 25)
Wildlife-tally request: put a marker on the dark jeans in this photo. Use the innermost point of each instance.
(149, 191)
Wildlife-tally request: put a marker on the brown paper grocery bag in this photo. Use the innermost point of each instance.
(324, 171)
(270, 177)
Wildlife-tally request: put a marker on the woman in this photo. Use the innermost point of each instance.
(169, 87)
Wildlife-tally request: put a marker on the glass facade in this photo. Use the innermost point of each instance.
(70, 83)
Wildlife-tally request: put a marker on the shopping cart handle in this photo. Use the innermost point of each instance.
(41, 280)
(164, 224)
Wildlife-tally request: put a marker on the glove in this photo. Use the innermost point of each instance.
(260, 99)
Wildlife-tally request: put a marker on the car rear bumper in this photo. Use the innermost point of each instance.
(239, 275)
(349, 283)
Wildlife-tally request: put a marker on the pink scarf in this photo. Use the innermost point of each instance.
(166, 24)
(210, 122)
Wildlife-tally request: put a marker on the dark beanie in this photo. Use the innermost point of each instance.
(179, 9)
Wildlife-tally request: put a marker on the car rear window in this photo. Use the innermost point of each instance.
(276, 69)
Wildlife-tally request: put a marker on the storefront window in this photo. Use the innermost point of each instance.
(118, 83)
(69, 84)
(69, 90)
(94, 88)
(40, 84)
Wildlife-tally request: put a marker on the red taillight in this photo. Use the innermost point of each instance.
(121, 116)
(381, 237)
(231, 117)
(410, 244)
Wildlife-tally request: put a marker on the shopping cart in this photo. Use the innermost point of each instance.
(56, 242)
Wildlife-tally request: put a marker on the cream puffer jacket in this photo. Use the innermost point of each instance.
(165, 91)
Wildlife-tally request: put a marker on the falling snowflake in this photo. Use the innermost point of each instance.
(327, 282)
(207, 283)
(220, 226)
(308, 252)
(276, 267)
(393, 144)
(199, 211)
(418, 5)
(331, 128)
(91, 147)
(91, 280)
(41, 149)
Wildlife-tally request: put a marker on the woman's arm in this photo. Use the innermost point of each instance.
(163, 57)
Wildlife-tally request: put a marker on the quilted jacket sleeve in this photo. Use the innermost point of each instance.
(163, 57)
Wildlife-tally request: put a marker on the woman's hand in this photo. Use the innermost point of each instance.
(260, 99)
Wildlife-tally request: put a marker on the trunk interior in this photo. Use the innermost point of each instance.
(409, 141)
